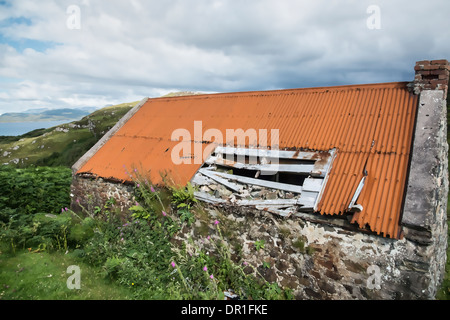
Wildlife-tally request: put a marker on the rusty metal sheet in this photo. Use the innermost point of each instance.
(370, 126)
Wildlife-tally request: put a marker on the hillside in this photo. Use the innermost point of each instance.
(63, 144)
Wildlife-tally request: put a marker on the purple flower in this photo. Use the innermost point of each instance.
(135, 170)
(216, 222)
(245, 263)
(173, 264)
(152, 189)
(137, 203)
(211, 276)
(208, 237)
(138, 185)
(164, 213)
(205, 268)
(66, 209)
(62, 209)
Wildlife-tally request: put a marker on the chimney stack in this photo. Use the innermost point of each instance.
(431, 75)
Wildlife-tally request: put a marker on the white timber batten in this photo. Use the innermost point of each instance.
(265, 153)
(273, 167)
(262, 161)
(257, 182)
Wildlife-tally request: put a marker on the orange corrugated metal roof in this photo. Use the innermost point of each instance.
(371, 126)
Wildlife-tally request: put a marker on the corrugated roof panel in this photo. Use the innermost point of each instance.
(371, 126)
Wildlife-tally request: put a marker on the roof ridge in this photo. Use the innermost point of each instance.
(382, 85)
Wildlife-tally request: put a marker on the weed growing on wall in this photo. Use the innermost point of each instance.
(142, 252)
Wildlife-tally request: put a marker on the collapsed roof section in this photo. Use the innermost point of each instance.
(369, 127)
(280, 182)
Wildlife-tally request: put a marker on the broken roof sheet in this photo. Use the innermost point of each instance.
(371, 126)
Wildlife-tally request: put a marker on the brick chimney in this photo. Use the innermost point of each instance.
(431, 75)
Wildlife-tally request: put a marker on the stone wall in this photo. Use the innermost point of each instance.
(315, 260)
(89, 192)
(425, 210)
(321, 261)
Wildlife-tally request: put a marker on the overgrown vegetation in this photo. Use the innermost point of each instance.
(139, 257)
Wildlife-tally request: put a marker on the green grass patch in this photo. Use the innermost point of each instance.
(43, 276)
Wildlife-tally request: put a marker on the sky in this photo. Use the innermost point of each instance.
(79, 53)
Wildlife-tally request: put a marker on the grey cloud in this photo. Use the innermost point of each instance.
(130, 49)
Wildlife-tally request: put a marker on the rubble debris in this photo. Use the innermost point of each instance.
(243, 178)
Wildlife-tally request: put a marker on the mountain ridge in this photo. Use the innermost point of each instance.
(69, 114)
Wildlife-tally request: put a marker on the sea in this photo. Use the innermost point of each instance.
(19, 128)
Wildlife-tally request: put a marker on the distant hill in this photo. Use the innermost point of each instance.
(180, 93)
(64, 144)
(45, 115)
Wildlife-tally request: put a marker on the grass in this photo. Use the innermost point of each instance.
(43, 276)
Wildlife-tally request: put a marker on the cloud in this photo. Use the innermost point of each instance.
(126, 50)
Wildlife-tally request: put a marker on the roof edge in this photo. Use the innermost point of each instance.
(82, 161)
(396, 84)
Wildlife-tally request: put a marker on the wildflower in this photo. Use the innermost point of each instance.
(62, 209)
(205, 268)
(78, 200)
(216, 222)
(164, 213)
(245, 263)
(152, 189)
(173, 264)
(137, 203)
(135, 170)
(208, 237)
(66, 209)
(211, 276)
(121, 239)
